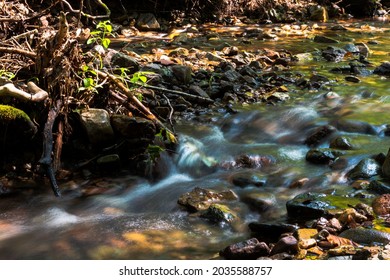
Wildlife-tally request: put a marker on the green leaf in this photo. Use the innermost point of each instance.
(91, 41)
(143, 79)
(95, 32)
(109, 28)
(106, 42)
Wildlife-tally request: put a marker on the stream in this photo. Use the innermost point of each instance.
(142, 219)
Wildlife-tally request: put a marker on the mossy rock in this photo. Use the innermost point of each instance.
(15, 126)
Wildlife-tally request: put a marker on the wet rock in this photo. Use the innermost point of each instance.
(198, 91)
(147, 22)
(247, 250)
(306, 237)
(381, 205)
(288, 244)
(248, 71)
(201, 199)
(319, 79)
(365, 169)
(339, 27)
(259, 202)
(248, 178)
(248, 161)
(122, 60)
(109, 163)
(319, 135)
(366, 236)
(325, 40)
(383, 69)
(333, 54)
(351, 48)
(219, 213)
(271, 231)
(179, 52)
(341, 143)
(132, 128)
(182, 73)
(353, 126)
(379, 187)
(352, 79)
(386, 166)
(97, 125)
(322, 156)
(308, 205)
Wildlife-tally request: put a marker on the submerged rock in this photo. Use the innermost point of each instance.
(259, 202)
(324, 39)
(383, 69)
(250, 249)
(379, 187)
(353, 126)
(333, 54)
(365, 169)
(322, 156)
(319, 135)
(366, 236)
(341, 143)
(248, 178)
(386, 166)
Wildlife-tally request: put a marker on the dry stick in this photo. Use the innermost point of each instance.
(23, 35)
(31, 55)
(87, 15)
(190, 97)
(46, 159)
(143, 109)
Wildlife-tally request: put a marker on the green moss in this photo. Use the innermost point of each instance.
(9, 113)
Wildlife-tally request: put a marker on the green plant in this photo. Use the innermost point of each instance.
(136, 80)
(6, 74)
(88, 82)
(99, 36)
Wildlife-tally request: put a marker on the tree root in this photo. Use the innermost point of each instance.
(46, 159)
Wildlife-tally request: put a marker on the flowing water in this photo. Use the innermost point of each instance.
(142, 220)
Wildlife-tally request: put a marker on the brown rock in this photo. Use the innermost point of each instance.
(381, 205)
(249, 249)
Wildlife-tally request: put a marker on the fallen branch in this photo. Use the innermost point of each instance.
(189, 97)
(37, 94)
(141, 107)
(80, 12)
(23, 35)
(29, 54)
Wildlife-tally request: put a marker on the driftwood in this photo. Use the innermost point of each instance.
(36, 93)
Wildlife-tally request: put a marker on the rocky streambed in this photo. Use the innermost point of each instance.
(282, 154)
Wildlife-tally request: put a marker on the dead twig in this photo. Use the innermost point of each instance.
(36, 93)
(29, 54)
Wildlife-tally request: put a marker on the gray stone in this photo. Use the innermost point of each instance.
(365, 169)
(213, 57)
(96, 123)
(246, 250)
(319, 135)
(231, 76)
(147, 22)
(198, 91)
(333, 54)
(182, 73)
